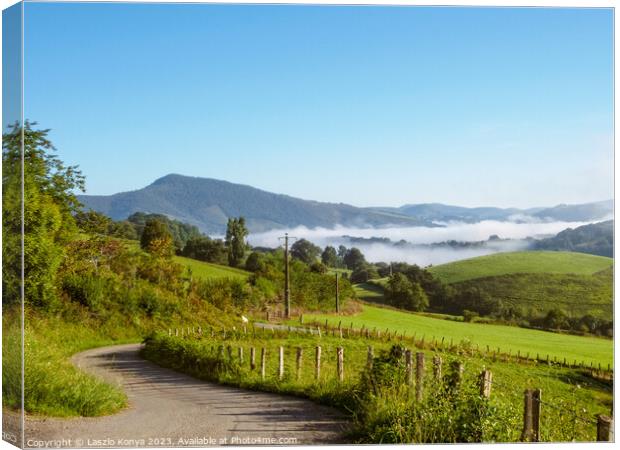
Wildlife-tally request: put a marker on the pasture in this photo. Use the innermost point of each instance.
(521, 262)
(206, 270)
(587, 349)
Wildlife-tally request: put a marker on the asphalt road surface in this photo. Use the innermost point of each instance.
(170, 409)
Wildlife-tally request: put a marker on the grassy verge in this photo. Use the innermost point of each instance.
(53, 386)
(587, 349)
(383, 408)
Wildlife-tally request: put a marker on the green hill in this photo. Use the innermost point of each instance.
(208, 270)
(537, 293)
(548, 262)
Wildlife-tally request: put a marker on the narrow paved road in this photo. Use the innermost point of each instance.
(170, 409)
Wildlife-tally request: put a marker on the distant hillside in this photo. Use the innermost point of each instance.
(536, 282)
(578, 213)
(208, 203)
(537, 293)
(521, 262)
(445, 213)
(596, 239)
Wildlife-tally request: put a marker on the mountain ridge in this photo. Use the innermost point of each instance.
(208, 203)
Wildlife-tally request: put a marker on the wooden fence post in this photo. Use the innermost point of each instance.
(437, 363)
(419, 376)
(240, 352)
(317, 363)
(262, 362)
(408, 367)
(531, 416)
(176, 331)
(298, 362)
(486, 379)
(457, 373)
(604, 428)
(252, 358)
(370, 358)
(230, 356)
(340, 363)
(281, 363)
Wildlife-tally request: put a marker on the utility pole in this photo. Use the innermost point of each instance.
(287, 285)
(337, 295)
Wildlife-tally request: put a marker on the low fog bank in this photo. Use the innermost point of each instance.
(420, 251)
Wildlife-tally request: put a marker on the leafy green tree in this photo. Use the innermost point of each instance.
(49, 205)
(93, 222)
(254, 262)
(206, 249)
(181, 232)
(354, 259)
(556, 319)
(236, 232)
(305, 251)
(402, 293)
(329, 257)
(123, 229)
(156, 238)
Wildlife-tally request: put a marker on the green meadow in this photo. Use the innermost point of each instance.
(521, 262)
(206, 270)
(587, 349)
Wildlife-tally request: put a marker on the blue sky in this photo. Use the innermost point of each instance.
(362, 105)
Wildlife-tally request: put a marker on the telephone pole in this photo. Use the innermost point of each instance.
(287, 285)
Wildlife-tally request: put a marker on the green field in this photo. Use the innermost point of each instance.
(207, 270)
(537, 293)
(369, 292)
(521, 262)
(587, 349)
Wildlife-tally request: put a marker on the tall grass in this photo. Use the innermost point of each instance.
(53, 386)
(382, 407)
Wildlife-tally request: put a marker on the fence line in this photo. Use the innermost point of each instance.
(597, 372)
(532, 397)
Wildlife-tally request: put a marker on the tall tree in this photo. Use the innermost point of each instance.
(402, 293)
(49, 204)
(236, 232)
(330, 257)
(354, 259)
(305, 251)
(157, 239)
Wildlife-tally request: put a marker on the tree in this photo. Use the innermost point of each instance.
(156, 239)
(305, 251)
(556, 319)
(123, 229)
(49, 205)
(329, 257)
(354, 259)
(402, 293)
(254, 262)
(93, 222)
(236, 245)
(206, 249)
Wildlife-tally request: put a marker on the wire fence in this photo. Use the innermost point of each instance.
(414, 369)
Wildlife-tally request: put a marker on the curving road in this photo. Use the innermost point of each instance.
(170, 409)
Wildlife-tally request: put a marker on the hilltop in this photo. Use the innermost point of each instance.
(208, 203)
(595, 238)
(521, 262)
